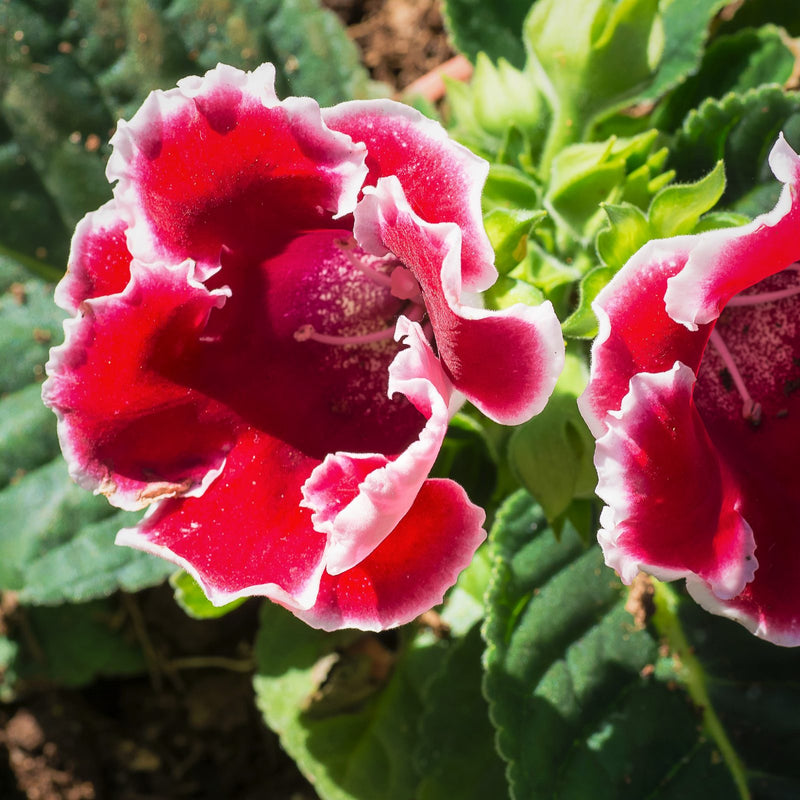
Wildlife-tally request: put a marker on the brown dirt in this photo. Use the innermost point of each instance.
(401, 40)
(190, 733)
(187, 731)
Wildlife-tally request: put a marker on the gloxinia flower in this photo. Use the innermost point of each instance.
(270, 330)
(693, 400)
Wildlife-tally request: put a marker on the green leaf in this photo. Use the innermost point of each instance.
(590, 58)
(628, 230)
(508, 232)
(736, 63)
(476, 26)
(309, 47)
(357, 734)
(584, 176)
(579, 707)
(464, 602)
(68, 71)
(510, 188)
(676, 210)
(90, 565)
(551, 454)
(754, 13)
(71, 645)
(190, 597)
(752, 685)
(685, 30)
(498, 98)
(466, 457)
(56, 540)
(29, 325)
(739, 129)
(27, 433)
(582, 323)
(455, 752)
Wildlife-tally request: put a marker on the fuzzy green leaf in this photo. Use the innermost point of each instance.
(476, 26)
(755, 13)
(752, 685)
(685, 30)
(676, 209)
(585, 176)
(552, 453)
(627, 232)
(582, 323)
(590, 58)
(508, 232)
(353, 735)
(190, 597)
(90, 565)
(574, 714)
(29, 324)
(455, 753)
(467, 458)
(737, 63)
(56, 540)
(69, 70)
(70, 645)
(739, 129)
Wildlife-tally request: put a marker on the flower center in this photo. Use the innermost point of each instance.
(397, 279)
(751, 410)
(751, 340)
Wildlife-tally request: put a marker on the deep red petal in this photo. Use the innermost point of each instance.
(247, 535)
(358, 500)
(672, 505)
(764, 342)
(507, 362)
(441, 179)
(636, 333)
(219, 161)
(126, 428)
(412, 568)
(99, 261)
(320, 398)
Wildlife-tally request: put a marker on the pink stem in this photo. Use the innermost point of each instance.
(750, 409)
(307, 333)
(763, 297)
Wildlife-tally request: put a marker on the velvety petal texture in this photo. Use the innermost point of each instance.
(693, 399)
(508, 384)
(441, 179)
(267, 343)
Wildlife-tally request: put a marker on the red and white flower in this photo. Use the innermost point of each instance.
(270, 330)
(693, 400)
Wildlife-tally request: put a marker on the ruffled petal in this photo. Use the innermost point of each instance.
(247, 535)
(724, 263)
(99, 261)
(358, 499)
(672, 506)
(506, 363)
(636, 333)
(410, 570)
(127, 429)
(442, 180)
(220, 161)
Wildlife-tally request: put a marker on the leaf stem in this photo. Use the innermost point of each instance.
(693, 676)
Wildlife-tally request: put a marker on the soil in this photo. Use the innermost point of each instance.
(190, 729)
(400, 40)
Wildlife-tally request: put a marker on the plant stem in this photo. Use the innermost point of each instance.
(693, 676)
